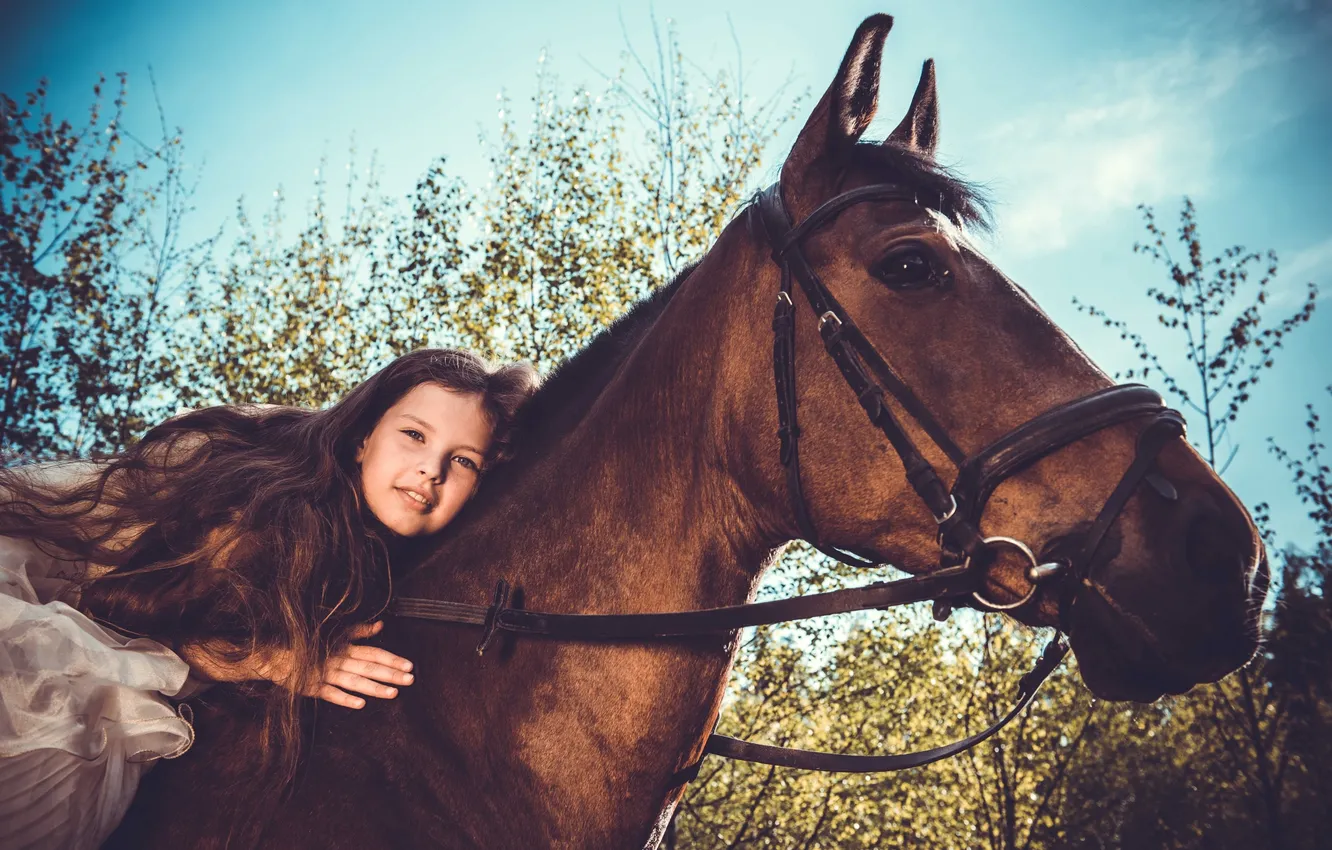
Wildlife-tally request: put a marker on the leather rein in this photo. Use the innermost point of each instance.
(965, 554)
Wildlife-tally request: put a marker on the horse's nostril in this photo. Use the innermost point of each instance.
(1210, 551)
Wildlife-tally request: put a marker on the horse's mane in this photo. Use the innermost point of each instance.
(565, 396)
(558, 405)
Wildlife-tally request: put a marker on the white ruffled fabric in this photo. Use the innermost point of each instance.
(82, 711)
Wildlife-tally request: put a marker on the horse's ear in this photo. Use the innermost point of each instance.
(845, 110)
(919, 130)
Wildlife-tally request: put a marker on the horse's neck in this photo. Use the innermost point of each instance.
(636, 508)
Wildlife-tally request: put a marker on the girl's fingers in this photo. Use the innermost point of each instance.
(359, 684)
(362, 670)
(378, 656)
(328, 693)
(371, 670)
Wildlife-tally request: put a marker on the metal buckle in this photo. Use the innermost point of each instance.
(502, 593)
(940, 520)
(782, 296)
(1036, 573)
(827, 317)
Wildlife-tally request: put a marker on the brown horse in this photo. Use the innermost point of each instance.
(649, 480)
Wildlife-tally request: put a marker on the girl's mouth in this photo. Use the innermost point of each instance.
(415, 501)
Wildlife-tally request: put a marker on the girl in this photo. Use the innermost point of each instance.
(243, 545)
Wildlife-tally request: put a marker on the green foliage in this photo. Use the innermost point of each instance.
(1312, 476)
(290, 322)
(90, 259)
(696, 141)
(561, 254)
(116, 326)
(1299, 668)
(568, 232)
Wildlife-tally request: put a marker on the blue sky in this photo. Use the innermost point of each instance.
(1072, 113)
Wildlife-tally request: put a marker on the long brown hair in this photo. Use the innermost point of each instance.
(243, 529)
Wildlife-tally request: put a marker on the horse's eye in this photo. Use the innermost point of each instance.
(906, 269)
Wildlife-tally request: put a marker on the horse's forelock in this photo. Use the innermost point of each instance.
(937, 187)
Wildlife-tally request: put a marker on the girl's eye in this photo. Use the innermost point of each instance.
(468, 463)
(415, 435)
(907, 269)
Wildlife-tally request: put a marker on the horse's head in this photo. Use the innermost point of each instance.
(1169, 596)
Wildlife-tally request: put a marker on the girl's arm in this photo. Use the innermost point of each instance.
(360, 669)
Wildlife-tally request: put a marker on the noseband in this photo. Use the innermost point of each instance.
(965, 554)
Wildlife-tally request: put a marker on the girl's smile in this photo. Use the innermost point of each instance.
(423, 460)
(417, 500)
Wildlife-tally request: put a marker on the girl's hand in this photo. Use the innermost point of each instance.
(365, 670)
(362, 669)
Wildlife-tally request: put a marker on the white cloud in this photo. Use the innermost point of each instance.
(1135, 130)
(1316, 258)
(1313, 263)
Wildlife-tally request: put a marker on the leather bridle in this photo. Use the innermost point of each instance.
(957, 511)
(965, 554)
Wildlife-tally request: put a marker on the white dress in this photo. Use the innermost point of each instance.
(83, 713)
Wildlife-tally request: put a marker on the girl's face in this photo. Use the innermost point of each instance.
(422, 461)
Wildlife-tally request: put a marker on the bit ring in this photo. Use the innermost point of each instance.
(1035, 573)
